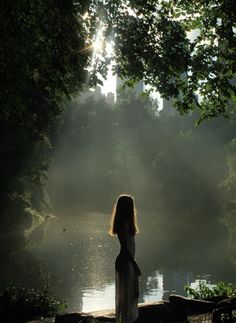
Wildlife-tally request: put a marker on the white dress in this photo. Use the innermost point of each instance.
(126, 280)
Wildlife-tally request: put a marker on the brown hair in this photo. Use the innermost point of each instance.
(124, 212)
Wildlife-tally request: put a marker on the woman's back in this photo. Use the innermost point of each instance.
(127, 270)
(127, 241)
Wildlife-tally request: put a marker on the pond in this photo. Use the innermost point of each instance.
(77, 255)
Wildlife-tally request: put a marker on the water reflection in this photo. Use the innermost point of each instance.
(157, 287)
(77, 257)
(154, 288)
(174, 282)
(95, 300)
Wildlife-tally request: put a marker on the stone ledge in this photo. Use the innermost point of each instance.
(152, 312)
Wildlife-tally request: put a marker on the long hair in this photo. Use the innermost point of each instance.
(124, 212)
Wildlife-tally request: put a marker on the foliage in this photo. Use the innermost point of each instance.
(228, 318)
(28, 303)
(203, 291)
(42, 61)
(184, 50)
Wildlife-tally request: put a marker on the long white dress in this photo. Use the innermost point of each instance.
(126, 280)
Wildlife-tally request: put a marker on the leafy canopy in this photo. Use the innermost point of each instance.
(184, 49)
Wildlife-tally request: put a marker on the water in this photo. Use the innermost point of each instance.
(77, 255)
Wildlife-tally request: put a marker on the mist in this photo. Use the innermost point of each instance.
(179, 176)
(173, 168)
(164, 160)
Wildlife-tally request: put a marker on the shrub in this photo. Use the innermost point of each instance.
(26, 303)
(204, 291)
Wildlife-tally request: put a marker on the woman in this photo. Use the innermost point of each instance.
(127, 271)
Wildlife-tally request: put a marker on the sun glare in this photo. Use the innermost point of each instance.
(102, 47)
(98, 43)
(109, 48)
(97, 46)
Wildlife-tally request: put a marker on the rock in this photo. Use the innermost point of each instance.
(42, 320)
(192, 306)
(153, 312)
(161, 311)
(71, 318)
(103, 316)
(225, 307)
(175, 310)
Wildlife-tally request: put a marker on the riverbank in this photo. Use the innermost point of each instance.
(152, 312)
(177, 309)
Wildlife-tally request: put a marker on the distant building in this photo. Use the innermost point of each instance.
(138, 88)
(168, 106)
(110, 98)
(98, 93)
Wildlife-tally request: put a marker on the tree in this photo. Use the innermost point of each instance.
(43, 59)
(184, 50)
